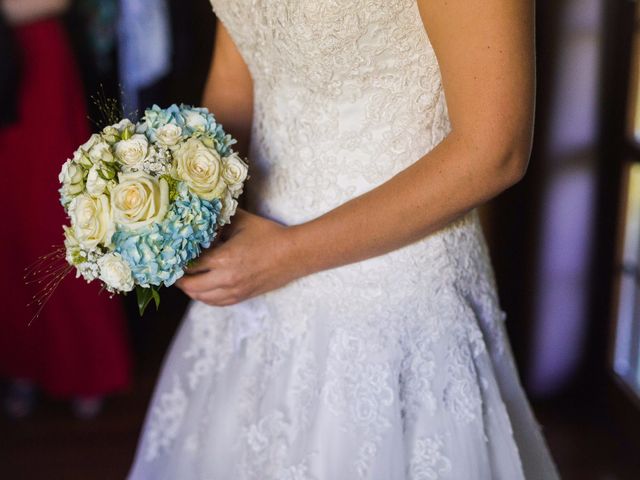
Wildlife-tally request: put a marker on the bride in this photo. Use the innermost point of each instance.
(348, 327)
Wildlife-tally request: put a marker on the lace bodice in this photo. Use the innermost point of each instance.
(346, 95)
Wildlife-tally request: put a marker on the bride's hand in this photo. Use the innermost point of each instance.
(254, 257)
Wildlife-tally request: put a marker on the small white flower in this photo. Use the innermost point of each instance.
(100, 151)
(88, 145)
(96, 185)
(234, 173)
(125, 124)
(74, 255)
(110, 134)
(88, 270)
(228, 210)
(194, 120)
(115, 272)
(157, 162)
(169, 134)
(133, 151)
(71, 177)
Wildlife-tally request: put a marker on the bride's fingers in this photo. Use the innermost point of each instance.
(205, 261)
(205, 281)
(195, 268)
(219, 298)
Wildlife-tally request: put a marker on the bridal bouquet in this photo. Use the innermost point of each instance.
(144, 199)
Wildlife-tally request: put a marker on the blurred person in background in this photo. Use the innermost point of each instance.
(77, 348)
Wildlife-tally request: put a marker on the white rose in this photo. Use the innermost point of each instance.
(91, 220)
(132, 151)
(201, 169)
(139, 200)
(234, 173)
(228, 210)
(73, 252)
(71, 177)
(100, 152)
(113, 133)
(110, 134)
(169, 134)
(125, 124)
(93, 140)
(96, 185)
(194, 120)
(115, 272)
(80, 157)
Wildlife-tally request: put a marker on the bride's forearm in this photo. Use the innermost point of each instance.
(488, 75)
(449, 181)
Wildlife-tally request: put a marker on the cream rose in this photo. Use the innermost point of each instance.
(201, 169)
(234, 173)
(96, 185)
(72, 178)
(100, 152)
(93, 140)
(139, 200)
(91, 220)
(113, 133)
(132, 151)
(169, 134)
(125, 124)
(115, 272)
(228, 210)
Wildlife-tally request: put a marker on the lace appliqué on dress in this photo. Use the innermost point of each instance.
(167, 419)
(428, 461)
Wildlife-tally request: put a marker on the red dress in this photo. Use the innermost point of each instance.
(78, 345)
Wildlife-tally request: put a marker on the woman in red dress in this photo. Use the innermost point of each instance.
(77, 347)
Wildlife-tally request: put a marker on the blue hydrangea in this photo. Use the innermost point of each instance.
(156, 117)
(194, 121)
(158, 254)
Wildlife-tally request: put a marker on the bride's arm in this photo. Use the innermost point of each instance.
(228, 92)
(23, 11)
(485, 49)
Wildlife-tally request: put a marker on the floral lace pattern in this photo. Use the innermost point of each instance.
(429, 462)
(373, 370)
(168, 412)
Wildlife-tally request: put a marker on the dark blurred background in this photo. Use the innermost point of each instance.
(565, 241)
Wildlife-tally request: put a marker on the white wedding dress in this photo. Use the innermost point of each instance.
(397, 367)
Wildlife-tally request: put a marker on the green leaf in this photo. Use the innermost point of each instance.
(145, 295)
(156, 297)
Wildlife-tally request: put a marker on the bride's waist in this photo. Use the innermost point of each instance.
(296, 187)
(452, 256)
